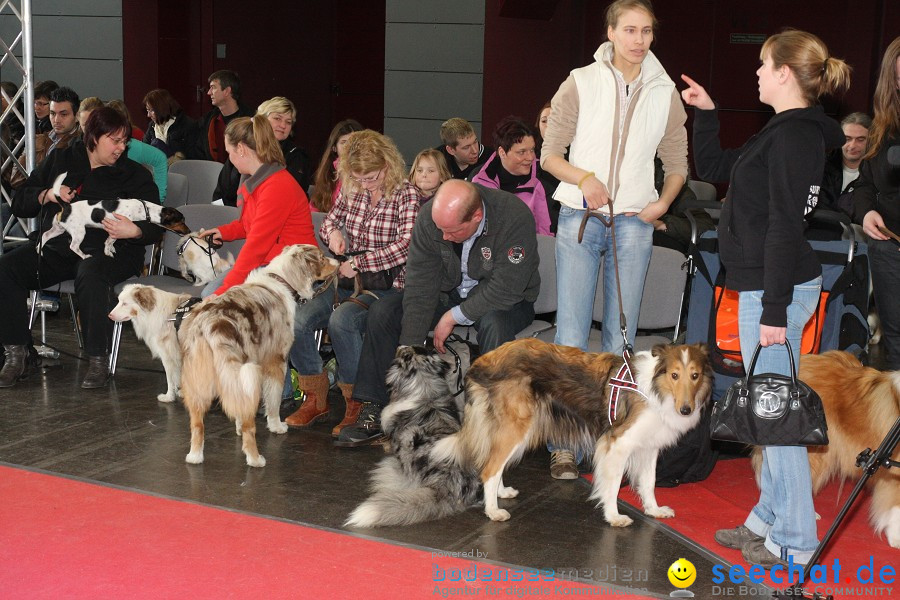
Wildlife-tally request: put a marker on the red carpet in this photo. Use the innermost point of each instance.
(68, 539)
(725, 498)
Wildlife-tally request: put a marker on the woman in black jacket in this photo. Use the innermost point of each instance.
(774, 182)
(876, 200)
(170, 130)
(281, 115)
(94, 168)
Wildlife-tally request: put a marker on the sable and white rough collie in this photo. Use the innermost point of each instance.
(861, 405)
(411, 486)
(149, 310)
(528, 392)
(235, 346)
(198, 260)
(75, 216)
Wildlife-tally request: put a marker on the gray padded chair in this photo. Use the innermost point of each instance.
(661, 305)
(177, 192)
(202, 175)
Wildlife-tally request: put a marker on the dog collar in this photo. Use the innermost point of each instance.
(294, 293)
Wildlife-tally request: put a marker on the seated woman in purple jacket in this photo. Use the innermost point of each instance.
(513, 168)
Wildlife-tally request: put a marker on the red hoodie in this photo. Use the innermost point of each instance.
(274, 214)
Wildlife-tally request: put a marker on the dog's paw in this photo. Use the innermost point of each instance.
(260, 461)
(166, 397)
(497, 515)
(237, 427)
(618, 520)
(507, 492)
(660, 512)
(110, 252)
(195, 458)
(277, 426)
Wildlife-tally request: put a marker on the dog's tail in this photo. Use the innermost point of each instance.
(399, 500)
(57, 183)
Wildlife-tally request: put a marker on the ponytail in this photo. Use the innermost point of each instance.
(256, 134)
(807, 56)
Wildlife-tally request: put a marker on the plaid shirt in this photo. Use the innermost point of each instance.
(383, 231)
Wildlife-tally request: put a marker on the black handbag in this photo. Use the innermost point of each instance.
(770, 410)
(372, 280)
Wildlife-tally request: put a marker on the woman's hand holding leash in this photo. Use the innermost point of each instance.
(695, 95)
(872, 225)
(347, 270)
(214, 232)
(336, 242)
(595, 193)
(66, 194)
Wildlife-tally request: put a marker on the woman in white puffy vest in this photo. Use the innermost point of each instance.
(615, 115)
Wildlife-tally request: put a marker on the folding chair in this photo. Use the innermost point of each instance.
(202, 175)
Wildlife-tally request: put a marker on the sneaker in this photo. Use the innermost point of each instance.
(737, 537)
(366, 430)
(562, 465)
(756, 553)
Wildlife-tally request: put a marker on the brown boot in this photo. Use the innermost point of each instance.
(315, 405)
(351, 413)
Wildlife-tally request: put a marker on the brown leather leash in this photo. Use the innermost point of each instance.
(611, 224)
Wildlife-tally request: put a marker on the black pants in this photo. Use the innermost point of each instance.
(884, 260)
(94, 278)
(383, 336)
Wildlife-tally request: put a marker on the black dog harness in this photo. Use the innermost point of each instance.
(182, 311)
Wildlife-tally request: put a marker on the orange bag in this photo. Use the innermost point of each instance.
(728, 340)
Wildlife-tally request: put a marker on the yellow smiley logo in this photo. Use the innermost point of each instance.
(682, 573)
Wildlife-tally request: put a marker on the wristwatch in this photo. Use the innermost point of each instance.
(353, 264)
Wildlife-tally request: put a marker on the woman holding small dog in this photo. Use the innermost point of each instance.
(377, 209)
(274, 209)
(774, 182)
(97, 167)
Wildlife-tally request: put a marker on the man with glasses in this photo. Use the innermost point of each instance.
(42, 93)
(64, 130)
(472, 261)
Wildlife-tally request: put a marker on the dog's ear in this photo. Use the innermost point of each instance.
(703, 348)
(658, 349)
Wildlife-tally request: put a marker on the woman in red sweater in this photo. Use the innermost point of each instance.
(274, 208)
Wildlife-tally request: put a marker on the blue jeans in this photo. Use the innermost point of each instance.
(213, 285)
(784, 514)
(346, 325)
(576, 275)
(576, 272)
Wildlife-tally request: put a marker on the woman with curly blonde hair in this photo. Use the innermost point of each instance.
(377, 209)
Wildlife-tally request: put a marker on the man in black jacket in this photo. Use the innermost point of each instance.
(473, 260)
(842, 168)
(461, 149)
(225, 94)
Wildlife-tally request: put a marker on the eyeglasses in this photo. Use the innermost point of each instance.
(365, 180)
(119, 141)
(41, 103)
